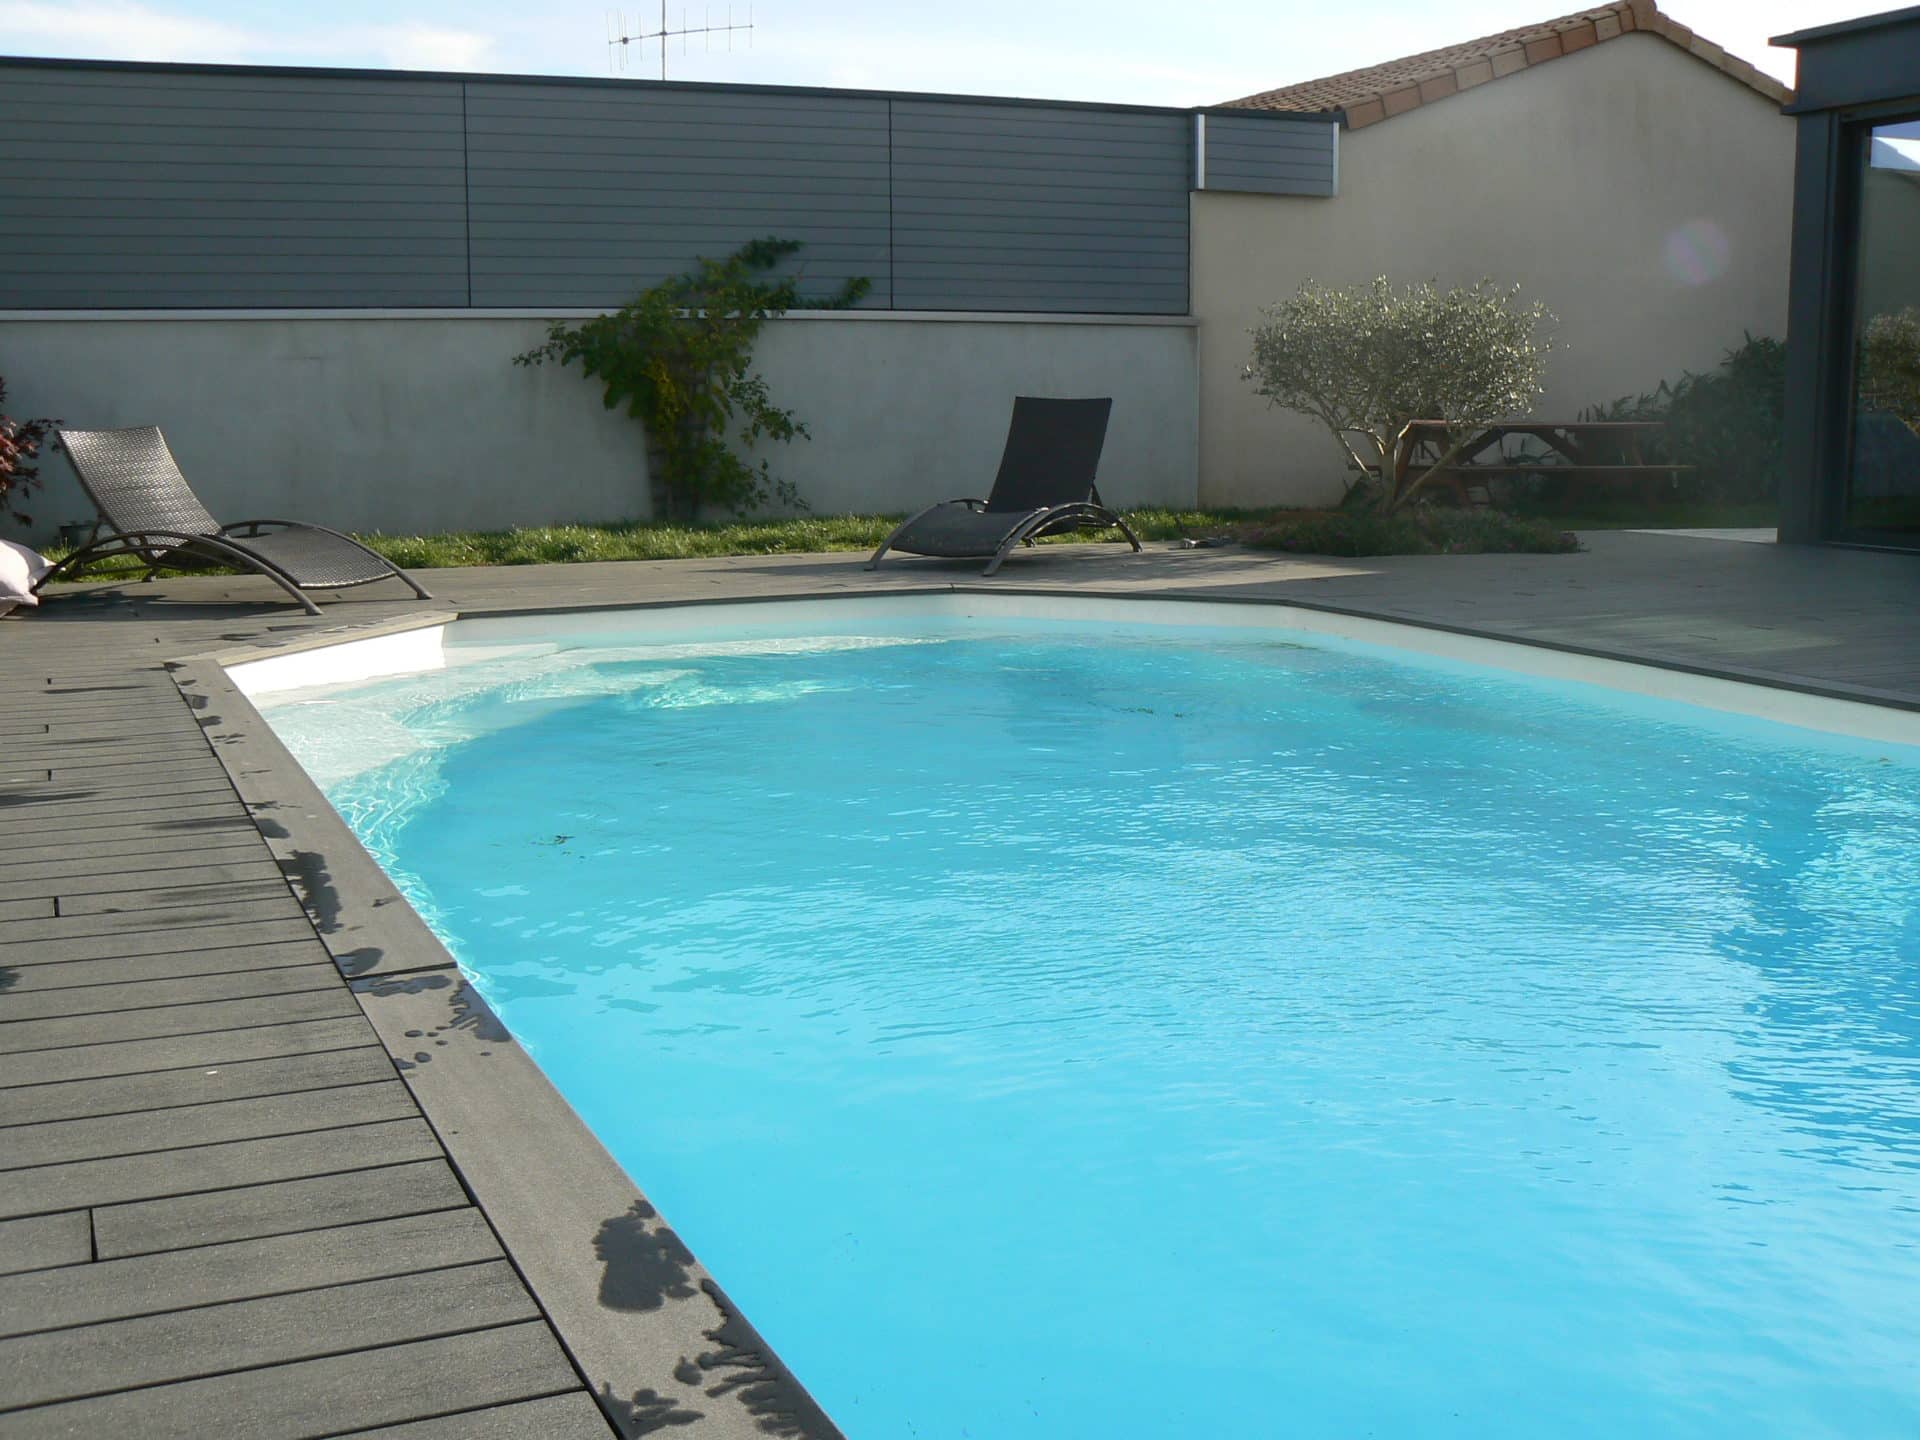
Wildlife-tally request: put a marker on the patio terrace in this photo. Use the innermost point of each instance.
(250, 1183)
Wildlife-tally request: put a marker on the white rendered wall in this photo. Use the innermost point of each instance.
(1605, 184)
(410, 424)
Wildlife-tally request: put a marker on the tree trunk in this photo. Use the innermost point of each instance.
(659, 493)
(1399, 494)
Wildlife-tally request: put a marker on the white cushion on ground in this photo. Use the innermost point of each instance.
(19, 568)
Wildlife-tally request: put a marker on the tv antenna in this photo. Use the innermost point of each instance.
(620, 39)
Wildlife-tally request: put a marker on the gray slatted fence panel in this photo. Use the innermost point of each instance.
(1041, 208)
(583, 195)
(1266, 155)
(128, 189)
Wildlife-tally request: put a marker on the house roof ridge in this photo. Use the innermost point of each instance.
(1374, 93)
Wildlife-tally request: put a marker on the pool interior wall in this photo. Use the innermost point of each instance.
(439, 644)
(1648, 694)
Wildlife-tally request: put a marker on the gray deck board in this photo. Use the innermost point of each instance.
(242, 1270)
(122, 1178)
(82, 804)
(116, 851)
(160, 817)
(172, 829)
(557, 1417)
(319, 999)
(41, 1242)
(158, 1091)
(149, 899)
(213, 1122)
(149, 1040)
(125, 1354)
(157, 888)
(221, 1045)
(376, 1187)
(195, 779)
(176, 964)
(171, 937)
(311, 1399)
(24, 1004)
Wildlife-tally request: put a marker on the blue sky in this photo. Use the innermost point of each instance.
(1142, 51)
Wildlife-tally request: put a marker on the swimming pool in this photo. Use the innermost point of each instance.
(1060, 1028)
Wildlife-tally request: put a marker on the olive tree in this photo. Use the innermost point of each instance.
(1367, 361)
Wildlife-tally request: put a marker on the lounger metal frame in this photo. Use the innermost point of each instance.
(1050, 520)
(187, 545)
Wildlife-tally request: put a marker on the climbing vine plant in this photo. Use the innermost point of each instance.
(678, 358)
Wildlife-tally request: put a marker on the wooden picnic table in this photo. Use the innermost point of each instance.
(1585, 451)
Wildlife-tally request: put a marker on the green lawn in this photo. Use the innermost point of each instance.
(1435, 531)
(644, 540)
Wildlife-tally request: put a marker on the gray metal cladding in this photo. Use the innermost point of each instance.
(585, 195)
(1271, 155)
(136, 188)
(186, 187)
(1039, 208)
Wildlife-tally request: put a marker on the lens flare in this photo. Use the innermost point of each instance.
(1697, 253)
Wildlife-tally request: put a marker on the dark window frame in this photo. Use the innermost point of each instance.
(1839, 383)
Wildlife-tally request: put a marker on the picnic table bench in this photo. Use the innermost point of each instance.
(1587, 452)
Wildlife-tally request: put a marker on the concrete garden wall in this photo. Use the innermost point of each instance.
(408, 423)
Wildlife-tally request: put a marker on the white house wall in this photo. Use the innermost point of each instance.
(1642, 195)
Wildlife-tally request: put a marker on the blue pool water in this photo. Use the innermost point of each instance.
(1050, 1031)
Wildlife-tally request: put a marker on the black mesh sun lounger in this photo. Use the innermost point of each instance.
(1045, 487)
(147, 509)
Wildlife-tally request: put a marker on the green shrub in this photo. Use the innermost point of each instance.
(20, 443)
(1729, 424)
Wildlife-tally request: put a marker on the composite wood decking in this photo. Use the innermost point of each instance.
(222, 1212)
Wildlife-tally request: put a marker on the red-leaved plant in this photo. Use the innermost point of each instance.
(20, 442)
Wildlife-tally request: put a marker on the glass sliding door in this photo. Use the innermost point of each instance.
(1883, 476)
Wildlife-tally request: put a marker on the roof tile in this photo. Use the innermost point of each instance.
(1478, 73)
(1383, 91)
